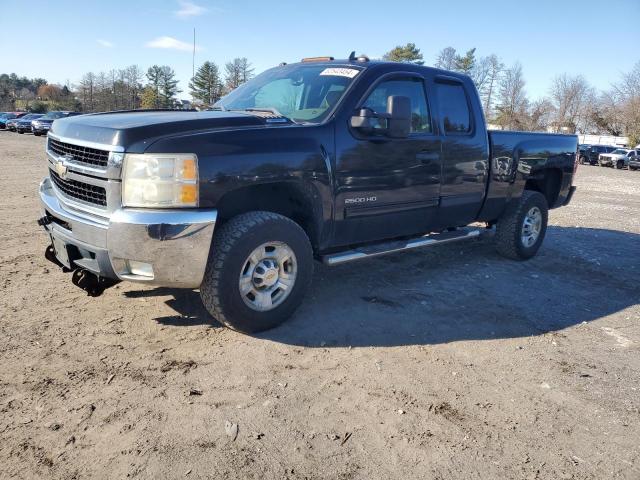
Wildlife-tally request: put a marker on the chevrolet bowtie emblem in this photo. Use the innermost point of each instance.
(61, 169)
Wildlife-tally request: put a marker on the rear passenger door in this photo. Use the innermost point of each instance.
(465, 153)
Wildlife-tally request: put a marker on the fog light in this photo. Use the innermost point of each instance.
(140, 268)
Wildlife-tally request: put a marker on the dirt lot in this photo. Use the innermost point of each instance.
(445, 363)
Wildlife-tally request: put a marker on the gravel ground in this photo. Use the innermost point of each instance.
(450, 362)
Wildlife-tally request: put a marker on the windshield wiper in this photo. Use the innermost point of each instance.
(219, 108)
(266, 110)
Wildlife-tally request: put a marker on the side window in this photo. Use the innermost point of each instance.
(454, 109)
(406, 87)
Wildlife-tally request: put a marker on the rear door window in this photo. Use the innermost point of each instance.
(454, 108)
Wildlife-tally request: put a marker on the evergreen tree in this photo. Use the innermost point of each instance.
(207, 85)
(168, 87)
(154, 75)
(465, 63)
(149, 98)
(405, 54)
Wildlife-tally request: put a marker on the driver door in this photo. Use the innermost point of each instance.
(388, 187)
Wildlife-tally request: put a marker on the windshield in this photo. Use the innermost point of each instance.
(620, 151)
(303, 93)
(30, 116)
(54, 115)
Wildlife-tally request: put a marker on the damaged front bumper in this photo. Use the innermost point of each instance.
(159, 247)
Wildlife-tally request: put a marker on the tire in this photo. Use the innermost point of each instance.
(37, 134)
(20, 132)
(233, 247)
(511, 226)
(583, 160)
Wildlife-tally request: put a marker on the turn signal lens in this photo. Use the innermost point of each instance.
(189, 194)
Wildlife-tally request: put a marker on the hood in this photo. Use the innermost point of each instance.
(136, 130)
(615, 156)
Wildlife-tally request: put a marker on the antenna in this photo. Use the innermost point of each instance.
(193, 61)
(352, 56)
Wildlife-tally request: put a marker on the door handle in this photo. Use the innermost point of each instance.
(427, 157)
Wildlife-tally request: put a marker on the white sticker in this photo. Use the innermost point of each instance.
(340, 72)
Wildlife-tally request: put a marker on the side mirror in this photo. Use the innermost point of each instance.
(399, 113)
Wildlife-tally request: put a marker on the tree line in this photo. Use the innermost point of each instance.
(123, 89)
(571, 104)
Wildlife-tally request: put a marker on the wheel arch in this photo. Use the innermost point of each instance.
(548, 182)
(297, 200)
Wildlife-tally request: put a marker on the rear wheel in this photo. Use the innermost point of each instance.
(259, 269)
(522, 227)
(37, 134)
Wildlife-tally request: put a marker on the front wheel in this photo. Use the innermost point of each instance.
(259, 269)
(522, 227)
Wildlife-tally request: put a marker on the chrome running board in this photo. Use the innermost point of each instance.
(377, 249)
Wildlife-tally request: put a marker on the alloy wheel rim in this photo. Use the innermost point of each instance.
(531, 227)
(268, 276)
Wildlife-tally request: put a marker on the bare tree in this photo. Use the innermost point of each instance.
(512, 101)
(494, 69)
(237, 72)
(626, 98)
(570, 96)
(133, 75)
(86, 90)
(446, 59)
(538, 116)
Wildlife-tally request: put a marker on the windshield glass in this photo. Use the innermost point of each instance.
(53, 115)
(31, 116)
(620, 151)
(303, 93)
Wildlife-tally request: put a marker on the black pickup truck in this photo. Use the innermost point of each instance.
(336, 160)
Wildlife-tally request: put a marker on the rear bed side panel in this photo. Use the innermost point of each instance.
(518, 156)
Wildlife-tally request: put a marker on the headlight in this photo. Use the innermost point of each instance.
(160, 180)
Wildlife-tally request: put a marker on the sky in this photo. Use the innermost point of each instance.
(63, 39)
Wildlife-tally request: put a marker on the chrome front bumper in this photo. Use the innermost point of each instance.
(174, 242)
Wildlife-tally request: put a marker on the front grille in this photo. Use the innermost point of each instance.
(80, 190)
(86, 155)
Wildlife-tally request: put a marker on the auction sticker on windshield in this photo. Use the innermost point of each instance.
(340, 72)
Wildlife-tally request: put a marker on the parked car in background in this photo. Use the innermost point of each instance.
(583, 153)
(9, 116)
(618, 158)
(634, 162)
(42, 125)
(10, 124)
(594, 151)
(24, 124)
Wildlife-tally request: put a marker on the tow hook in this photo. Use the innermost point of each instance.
(50, 255)
(92, 283)
(44, 221)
